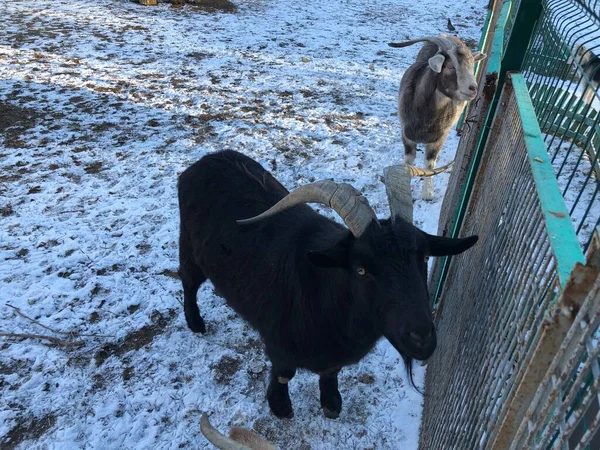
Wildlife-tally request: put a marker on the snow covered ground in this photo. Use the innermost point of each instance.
(102, 105)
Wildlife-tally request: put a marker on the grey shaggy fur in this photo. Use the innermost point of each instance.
(430, 103)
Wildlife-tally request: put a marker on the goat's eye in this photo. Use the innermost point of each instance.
(361, 271)
(426, 259)
(449, 65)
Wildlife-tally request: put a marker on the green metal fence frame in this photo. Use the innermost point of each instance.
(494, 66)
(558, 222)
(561, 242)
(516, 25)
(554, 76)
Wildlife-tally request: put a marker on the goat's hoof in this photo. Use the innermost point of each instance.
(330, 414)
(279, 400)
(196, 325)
(427, 196)
(282, 410)
(331, 404)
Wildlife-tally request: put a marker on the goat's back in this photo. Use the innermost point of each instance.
(260, 268)
(227, 186)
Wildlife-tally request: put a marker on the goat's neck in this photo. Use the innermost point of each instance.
(442, 100)
(423, 88)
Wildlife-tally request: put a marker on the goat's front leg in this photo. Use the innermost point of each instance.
(331, 400)
(277, 393)
(431, 154)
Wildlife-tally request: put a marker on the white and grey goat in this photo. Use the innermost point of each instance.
(433, 93)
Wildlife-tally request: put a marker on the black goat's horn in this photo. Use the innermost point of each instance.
(397, 186)
(346, 201)
(219, 440)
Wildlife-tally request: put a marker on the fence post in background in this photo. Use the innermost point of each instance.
(483, 44)
(514, 53)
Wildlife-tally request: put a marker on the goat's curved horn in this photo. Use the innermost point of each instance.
(346, 201)
(417, 172)
(253, 440)
(442, 41)
(219, 440)
(397, 186)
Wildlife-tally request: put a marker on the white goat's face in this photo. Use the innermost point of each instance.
(456, 65)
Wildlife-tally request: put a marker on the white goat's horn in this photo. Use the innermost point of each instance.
(219, 440)
(417, 172)
(442, 41)
(346, 201)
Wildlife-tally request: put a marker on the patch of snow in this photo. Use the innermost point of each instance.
(578, 184)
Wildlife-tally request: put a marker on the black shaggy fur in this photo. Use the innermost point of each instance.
(319, 297)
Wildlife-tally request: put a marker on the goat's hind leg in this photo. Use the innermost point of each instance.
(191, 277)
(331, 399)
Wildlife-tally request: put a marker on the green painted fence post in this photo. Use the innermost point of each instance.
(514, 52)
(504, 58)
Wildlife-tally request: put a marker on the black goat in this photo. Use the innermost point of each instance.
(319, 294)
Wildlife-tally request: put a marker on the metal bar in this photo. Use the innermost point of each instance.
(481, 47)
(560, 229)
(559, 413)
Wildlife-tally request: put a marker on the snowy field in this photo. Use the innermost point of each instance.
(102, 105)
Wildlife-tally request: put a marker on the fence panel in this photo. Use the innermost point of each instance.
(565, 411)
(495, 297)
(562, 70)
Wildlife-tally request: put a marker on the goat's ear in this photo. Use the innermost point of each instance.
(436, 62)
(336, 256)
(478, 56)
(443, 246)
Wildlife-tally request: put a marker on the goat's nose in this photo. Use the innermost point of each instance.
(473, 87)
(420, 339)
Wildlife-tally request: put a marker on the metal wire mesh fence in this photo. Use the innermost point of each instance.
(495, 298)
(565, 410)
(562, 70)
(505, 311)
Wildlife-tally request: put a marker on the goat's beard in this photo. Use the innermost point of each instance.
(408, 365)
